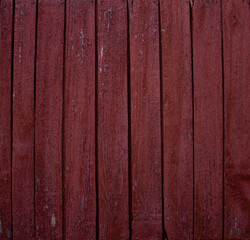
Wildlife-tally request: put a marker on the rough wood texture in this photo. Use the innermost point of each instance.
(121, 131)
(112, 120)
(208, 120)
(236, 19)
(5, 117)
(79, 137)
(145, 120)
(177, 119)
(48, 131)
(23, 120)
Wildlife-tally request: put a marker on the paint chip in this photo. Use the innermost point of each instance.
(53, 220)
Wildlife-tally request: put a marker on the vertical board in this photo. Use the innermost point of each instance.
(177, 119)
(145, 120)
(236, 19)
(48, 130)
(112, 120)
(79, 128)
(23, 120)
(5, 117)
(208, 119)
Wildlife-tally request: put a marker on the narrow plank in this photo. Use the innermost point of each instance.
(208, 120)
(145, 120)
(23, 120)
(5, 117)
(236, 35)
(112, 120)
(48, 130)
(80, 195)
(177, 119)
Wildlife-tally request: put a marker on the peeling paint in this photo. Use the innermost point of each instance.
(53, 220)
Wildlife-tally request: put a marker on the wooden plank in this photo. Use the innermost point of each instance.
(112, 120)
(145, 120)
(177, 119)
(48, 130)
(208, 120)
(5, 117)
(236, 35)
(80, 194)
(23, 120)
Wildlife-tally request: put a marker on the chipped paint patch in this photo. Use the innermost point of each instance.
(53, 220)
(102, 52)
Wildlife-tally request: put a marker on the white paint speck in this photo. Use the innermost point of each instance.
(102, 52)
(82, 42)
(20, 56)
(53, 220)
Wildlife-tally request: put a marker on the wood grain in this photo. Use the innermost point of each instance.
(5, 117)
(208, 120)
(48, 130)
(145, 120)
(79, 138)
(23, 120)
(112, 120)
(236, 35)
(177, 119)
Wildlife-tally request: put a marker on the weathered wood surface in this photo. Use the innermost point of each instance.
(6, 32)
(236, 35)
(112, 120)
(177, 119)
(48, 130)
(23, 120)
(208, 120)
(124, 119)
(79, 121)
(145, 120)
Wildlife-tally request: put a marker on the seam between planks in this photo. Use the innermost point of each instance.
(191, 4)
(63, 126)
(96, 120)
(223, 125)
(11, 112)
(129, 127)
(164, 233)
(34, 141)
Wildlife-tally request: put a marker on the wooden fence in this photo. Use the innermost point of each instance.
(124, 119)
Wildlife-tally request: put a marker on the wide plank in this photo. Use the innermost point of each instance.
(23, 120)
(236, 36)
(146, 157)
(112, 120)
(208, 120)
(177, 118)
(48, 129)
(6, 15)
(79, 121)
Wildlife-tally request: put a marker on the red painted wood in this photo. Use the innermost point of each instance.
(48, 131)
(5, 118)
(79, 143)
(145, 120)
(112, 120)
(236, 35)
(177, 119)
(208, 119)
(23, 120)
